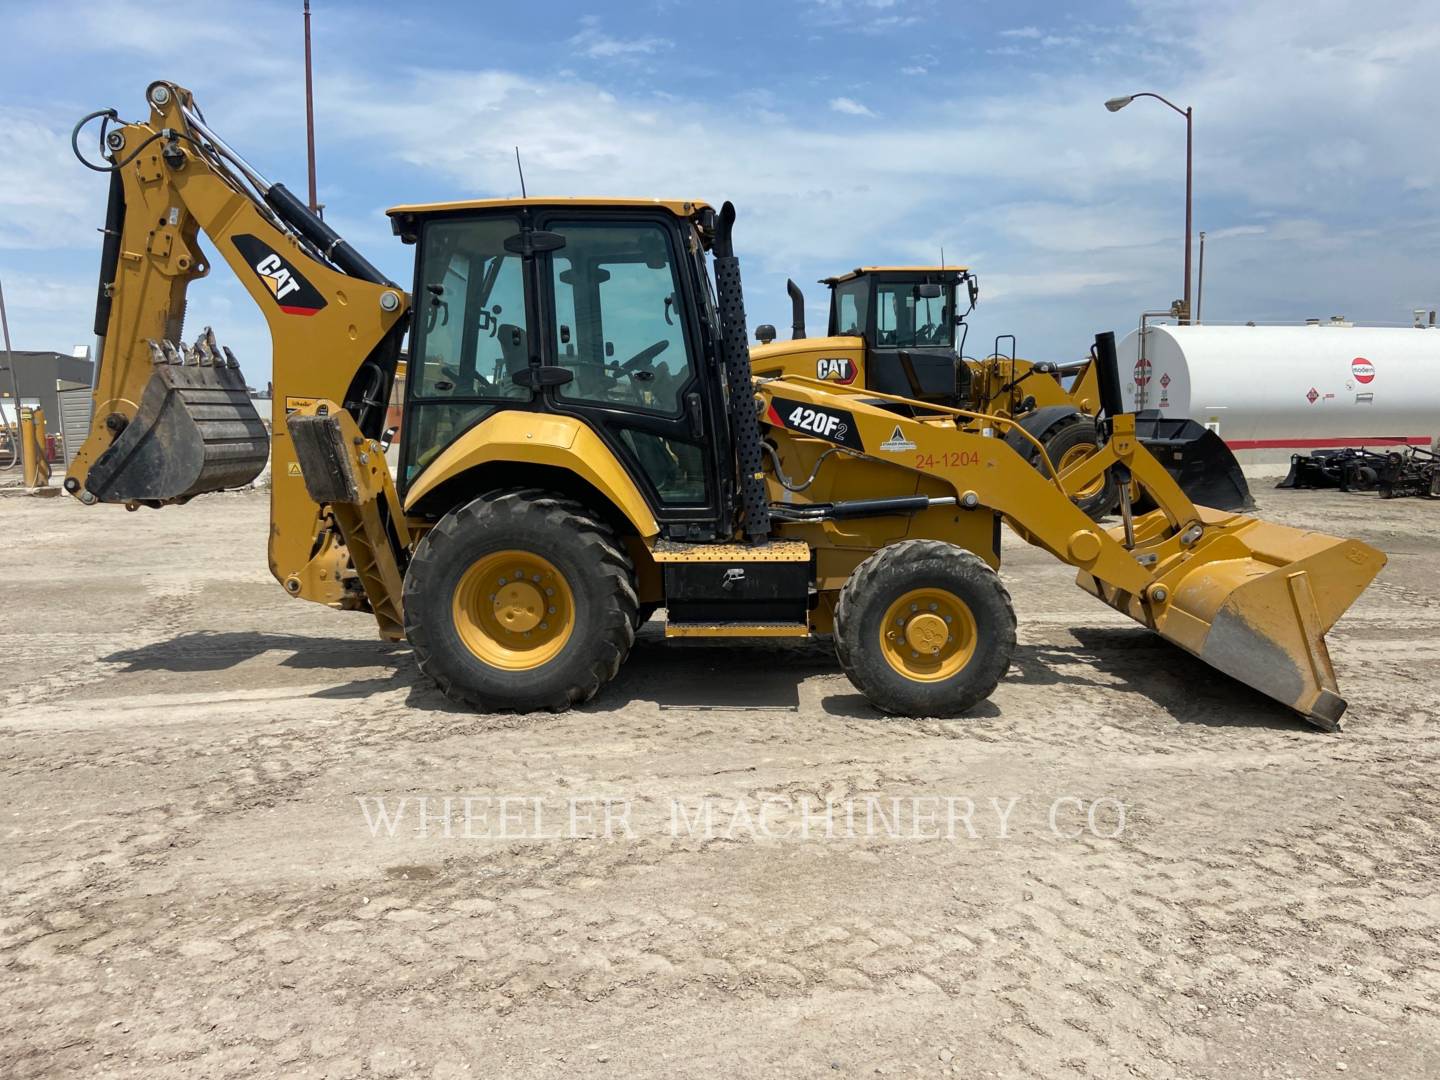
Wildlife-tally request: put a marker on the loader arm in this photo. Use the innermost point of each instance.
(171, 422)
(1251, 598)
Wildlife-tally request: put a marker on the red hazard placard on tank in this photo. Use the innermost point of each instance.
(1142, 371)
(1363, 370)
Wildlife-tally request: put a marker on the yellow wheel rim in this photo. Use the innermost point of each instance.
(928, 635)
(514, 610)
(1074, 456)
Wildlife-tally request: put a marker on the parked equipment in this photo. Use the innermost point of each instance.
(1413, 471)
(900, 330)
(34, 448)
(584, 439)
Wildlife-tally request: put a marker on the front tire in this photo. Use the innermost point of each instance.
(520, 600)
(1072, 442)
(924, 628)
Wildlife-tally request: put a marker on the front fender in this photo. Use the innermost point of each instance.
(530, 438)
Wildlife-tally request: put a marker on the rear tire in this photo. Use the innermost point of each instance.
(924, 628)
(1077, 438)
(520, 600)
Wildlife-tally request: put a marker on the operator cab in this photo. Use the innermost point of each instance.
(600, 310)
(908, 319)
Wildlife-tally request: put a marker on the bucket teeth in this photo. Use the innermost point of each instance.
(230, 361)
(173, 355)
(209, 351)
(157, 354)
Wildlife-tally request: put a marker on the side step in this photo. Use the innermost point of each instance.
(736, 590)
(347, 472)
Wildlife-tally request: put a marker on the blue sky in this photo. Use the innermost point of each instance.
(846, 131)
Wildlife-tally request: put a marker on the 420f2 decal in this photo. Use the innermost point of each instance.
(292, 292)
(834, 425)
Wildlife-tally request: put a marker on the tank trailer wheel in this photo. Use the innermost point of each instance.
(924, 628)
(1073, 441)
(520, 600)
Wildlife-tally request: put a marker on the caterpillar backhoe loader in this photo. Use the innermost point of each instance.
(899, 329)
(584, 439)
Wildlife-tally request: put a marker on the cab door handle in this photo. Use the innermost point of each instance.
(696, 414)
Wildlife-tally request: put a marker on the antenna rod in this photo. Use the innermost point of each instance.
(310, 113)
(521, 171)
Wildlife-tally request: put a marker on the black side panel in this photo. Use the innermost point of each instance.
(717, 592)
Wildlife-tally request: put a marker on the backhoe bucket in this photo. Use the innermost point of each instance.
(1197, 458)
(1252, 599)
(196, 430)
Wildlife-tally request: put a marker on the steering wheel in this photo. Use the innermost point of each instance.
(643, 358)
(477, 380)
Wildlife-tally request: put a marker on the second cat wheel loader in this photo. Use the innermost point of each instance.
(584, 440)
(900, 329)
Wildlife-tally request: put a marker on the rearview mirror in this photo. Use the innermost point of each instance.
(927, 292)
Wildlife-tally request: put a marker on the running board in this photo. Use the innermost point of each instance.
(348, 473)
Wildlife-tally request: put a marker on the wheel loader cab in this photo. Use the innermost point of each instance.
(597, 311)
(907, 319)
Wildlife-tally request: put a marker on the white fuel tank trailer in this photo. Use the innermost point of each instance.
(1270, 391)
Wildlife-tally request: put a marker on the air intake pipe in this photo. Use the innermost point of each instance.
(735, 349)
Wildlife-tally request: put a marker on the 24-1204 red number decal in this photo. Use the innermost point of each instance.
(951, 459)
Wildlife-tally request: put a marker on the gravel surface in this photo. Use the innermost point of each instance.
(1121, 865)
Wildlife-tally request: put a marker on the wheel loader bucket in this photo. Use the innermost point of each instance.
(195, 431)
(1197, 458)
(1254, 600)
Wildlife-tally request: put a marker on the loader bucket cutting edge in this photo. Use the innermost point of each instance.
(1254, 600)
(195, 431)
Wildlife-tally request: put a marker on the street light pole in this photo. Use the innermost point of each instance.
(1118, 103)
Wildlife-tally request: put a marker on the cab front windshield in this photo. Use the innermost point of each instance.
(905, 318)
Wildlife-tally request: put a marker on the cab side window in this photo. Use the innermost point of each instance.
(617, 322)
(852, 300)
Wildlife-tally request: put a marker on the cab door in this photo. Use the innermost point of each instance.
(619, 303)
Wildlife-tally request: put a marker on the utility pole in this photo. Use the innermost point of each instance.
(1115, 105)
(14, 376)
(310, 112)
(1200, 279)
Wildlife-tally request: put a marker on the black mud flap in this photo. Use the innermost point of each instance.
(196, 431)
(1197, 458)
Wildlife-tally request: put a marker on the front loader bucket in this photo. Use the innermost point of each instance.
(1254, 600)
(1197, 458)
(196, 430)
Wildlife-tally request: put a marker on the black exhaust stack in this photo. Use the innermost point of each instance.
(797, 310)
(735, 352)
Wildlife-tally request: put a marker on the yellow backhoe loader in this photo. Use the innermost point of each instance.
(901, 329)
(584, 440)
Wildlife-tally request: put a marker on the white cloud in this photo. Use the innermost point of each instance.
(598, 45)
(1022, 32)
(849, 106)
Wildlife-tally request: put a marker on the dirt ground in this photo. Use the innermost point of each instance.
(196, 882)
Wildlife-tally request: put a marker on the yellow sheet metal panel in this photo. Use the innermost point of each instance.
(536, 438)
(775, 551)
(957, 270)
(679, 207)
(736, 630)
